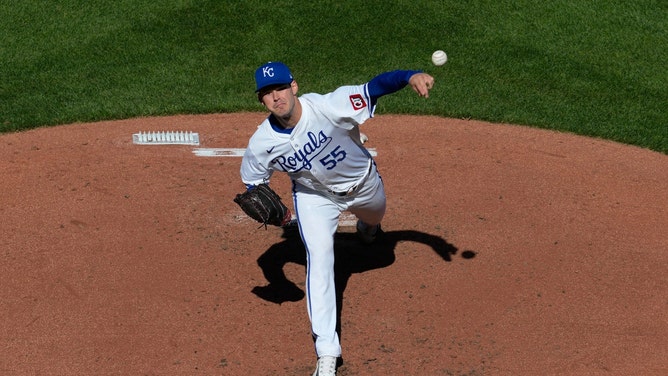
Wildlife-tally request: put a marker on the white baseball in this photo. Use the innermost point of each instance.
(364, 138)
(439, 58)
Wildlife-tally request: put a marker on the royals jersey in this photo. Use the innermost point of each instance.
(323, 151)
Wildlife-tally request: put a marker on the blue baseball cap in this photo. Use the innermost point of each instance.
(272, 73)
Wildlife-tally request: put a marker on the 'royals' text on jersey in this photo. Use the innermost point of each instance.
(303, 157)
(323, 150)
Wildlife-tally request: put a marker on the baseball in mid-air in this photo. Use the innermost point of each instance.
(439, 58)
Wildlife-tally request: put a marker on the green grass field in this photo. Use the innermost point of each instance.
(593, 67)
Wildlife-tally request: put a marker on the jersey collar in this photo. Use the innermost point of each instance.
(276, 126)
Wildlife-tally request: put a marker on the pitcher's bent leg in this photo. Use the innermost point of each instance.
(370, 204)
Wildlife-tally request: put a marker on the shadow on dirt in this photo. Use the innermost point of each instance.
(351, 256)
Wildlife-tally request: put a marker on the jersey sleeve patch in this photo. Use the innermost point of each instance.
(357, 101)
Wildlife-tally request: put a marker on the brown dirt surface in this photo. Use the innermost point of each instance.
(507, 251)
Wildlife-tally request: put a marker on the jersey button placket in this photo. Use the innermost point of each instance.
(295, 145)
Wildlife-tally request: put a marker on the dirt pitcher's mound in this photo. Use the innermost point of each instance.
(508, 251)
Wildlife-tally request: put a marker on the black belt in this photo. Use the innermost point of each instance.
(346, 193)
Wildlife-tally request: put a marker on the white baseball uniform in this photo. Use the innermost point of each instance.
(331, 172)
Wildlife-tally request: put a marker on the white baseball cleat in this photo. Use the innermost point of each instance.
(326, 366)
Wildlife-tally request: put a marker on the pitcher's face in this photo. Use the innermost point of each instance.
(280, 99)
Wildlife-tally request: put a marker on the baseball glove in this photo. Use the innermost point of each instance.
(263, 205)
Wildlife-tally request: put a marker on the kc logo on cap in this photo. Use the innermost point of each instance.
(268, 71)
(272, 73)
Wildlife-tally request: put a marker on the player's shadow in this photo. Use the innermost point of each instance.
(350, 256)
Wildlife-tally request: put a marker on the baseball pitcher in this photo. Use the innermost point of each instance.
(315, 139)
